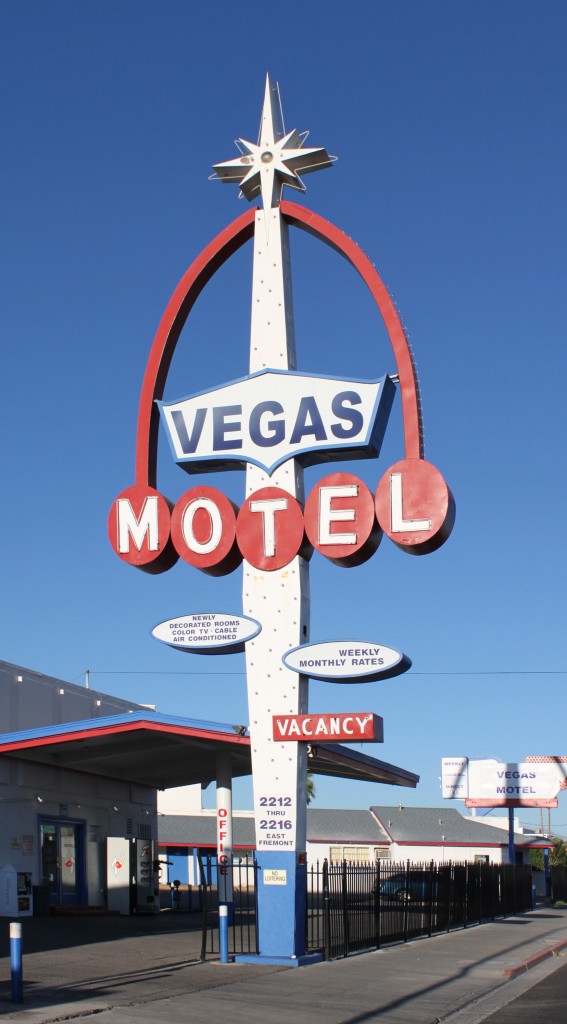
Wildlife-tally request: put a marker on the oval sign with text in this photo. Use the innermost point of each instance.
(347, 661)
(207, 632)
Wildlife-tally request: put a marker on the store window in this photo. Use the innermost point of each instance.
(350, 854)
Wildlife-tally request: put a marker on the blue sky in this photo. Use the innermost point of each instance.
(448, 120)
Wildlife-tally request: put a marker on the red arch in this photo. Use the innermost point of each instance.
(167, 335)
(190, 287)
(333, 236)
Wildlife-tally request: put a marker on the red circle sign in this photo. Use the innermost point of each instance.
(414, 506)
(203, 529)
(270, 530)
(340, 521)
(138, 529)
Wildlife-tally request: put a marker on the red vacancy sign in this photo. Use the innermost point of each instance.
(353, 726)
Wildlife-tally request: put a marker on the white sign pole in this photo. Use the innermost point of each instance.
(279, 599)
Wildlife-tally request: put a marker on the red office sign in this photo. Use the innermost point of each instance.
(351, 727)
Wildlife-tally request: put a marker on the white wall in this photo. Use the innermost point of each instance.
(30, 792)
(415, 854)
(180, 800)
(443, 854)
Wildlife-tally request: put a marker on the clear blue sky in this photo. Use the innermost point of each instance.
(448, 119)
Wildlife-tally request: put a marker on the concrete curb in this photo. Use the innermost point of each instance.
(532, 961)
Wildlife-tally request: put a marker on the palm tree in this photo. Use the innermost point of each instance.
(311, 788)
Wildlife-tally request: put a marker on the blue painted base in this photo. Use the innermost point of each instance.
(284, 961)
(281, 895)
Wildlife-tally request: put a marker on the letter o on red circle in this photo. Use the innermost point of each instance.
(203, 530)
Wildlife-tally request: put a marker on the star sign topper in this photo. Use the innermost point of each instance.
(276, 160)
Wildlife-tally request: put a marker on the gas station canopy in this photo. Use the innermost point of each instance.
(163, 751)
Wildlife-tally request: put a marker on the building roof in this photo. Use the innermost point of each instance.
(410, 826)
(150, 749)
(323, 825)
(163, 751)
(200, 830)
(347, 763)
(436, 826)
(335, 825)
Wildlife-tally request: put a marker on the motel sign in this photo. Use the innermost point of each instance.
(273, 422)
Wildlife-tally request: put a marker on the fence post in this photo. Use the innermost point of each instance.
(431, 890)
(377, 906)
(344, 889)
(308, 906)
(204, 906)
(256, 922)
(326, 911)
(406, 901)
(451, 895)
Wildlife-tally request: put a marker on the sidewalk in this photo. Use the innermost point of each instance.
(127, 970)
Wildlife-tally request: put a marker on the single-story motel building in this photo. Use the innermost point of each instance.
(96, 790)
(399, 834)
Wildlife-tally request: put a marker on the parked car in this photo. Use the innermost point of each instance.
(417, 886)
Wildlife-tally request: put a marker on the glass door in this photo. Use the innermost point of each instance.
(61, 861)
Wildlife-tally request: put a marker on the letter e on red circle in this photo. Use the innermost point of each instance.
(340, 520)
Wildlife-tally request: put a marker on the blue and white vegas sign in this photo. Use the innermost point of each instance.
(306, 417)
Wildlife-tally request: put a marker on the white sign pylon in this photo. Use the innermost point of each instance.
(279, 600)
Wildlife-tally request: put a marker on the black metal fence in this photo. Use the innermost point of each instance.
(242, 933)
(356, 907)
(361, 907)
(558, 874)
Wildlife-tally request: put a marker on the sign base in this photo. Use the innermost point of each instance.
(284, 961)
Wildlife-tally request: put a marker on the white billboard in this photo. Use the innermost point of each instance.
(454, 778)
(492, 783)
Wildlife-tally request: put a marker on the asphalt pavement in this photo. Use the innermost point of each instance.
(544, 1002)
(128, 970)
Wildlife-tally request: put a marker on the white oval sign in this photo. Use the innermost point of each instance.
(207, 632)
(347, 661)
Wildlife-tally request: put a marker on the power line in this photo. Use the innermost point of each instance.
(484, 672)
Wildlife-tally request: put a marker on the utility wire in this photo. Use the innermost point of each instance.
(485, 672)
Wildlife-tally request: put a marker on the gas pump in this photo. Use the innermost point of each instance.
(131, 879)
